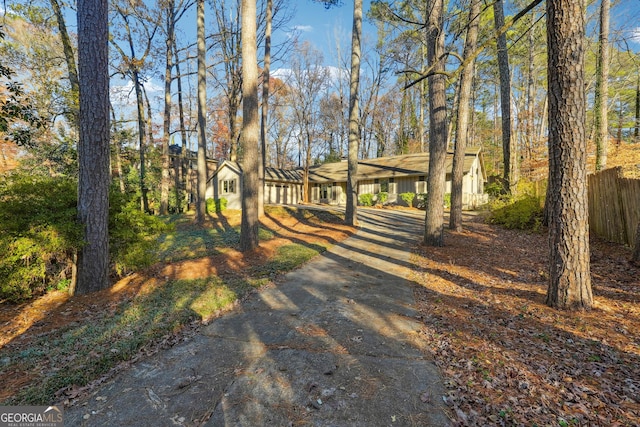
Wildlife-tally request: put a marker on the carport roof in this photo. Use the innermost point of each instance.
(386, 167)
(283, 175)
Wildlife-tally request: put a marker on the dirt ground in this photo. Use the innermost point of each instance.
(506, 358)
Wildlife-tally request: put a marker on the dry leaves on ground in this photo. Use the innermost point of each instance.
(49, 315)
(507, 358)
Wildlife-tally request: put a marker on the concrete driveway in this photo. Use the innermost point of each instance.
(335, 343)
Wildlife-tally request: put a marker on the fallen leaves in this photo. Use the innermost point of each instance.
(506, 357)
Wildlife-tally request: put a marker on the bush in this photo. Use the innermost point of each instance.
(38, 234)
(408, 198)
(217, 205)
(525, 213)
(382, 197)
(132, 234)
(421, 200)
(495, 188)
(365, 199)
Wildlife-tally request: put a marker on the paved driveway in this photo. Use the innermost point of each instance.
(335, 343)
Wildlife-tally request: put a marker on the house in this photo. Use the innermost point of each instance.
(328, 182)
(226, 183)
(282, 186)
(396, 175)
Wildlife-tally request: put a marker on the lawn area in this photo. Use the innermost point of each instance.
(54, 347)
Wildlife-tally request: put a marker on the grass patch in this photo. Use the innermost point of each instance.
(87, 351)
(287, 258)
(192, 242)
(315, 216)
(76, 354)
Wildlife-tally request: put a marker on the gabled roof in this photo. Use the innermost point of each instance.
(234, 166)
(386, 167)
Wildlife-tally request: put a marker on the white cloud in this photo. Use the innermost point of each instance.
(635, 35)
(334, 74)
(281, 73)
(125, 94)
(337, 72)
(303, 28)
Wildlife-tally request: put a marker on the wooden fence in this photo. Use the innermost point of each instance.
(614, 206)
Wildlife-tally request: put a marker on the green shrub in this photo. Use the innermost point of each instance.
(525, 213)
(382, 197)
(133, 234)
(421, 200)
(217, 205)
(365, 199)
(494, 189)
(38, 234)
(408, 198)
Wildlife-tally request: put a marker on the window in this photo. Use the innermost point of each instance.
(421, 185)
(382, 185)
(228, 186)
(325, 191)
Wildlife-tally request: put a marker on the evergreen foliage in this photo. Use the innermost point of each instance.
(408, 198)
(365, 199)
(39, 234)
(523, 213)
(217, 205)
(382, 197)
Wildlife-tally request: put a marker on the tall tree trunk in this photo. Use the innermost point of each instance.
(602, 88)
(636, 132)
(434, 217)
(201, 205)
(117, 150)
(183, 170)
(265, 102)
(166, 164)
(569, 275)
(508, 148)
(423, 90)
(142, 136)
(351, 212)
(530, 140)
(70, 59)
(250, 128)
(93, 147)
(462, 130)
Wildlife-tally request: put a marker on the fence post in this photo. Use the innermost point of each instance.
(636, 250)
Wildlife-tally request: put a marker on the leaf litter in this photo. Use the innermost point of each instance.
(509, 359)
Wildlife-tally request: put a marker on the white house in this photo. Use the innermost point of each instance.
(328, 182)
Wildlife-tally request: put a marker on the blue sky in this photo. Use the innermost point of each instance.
(323, 27)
